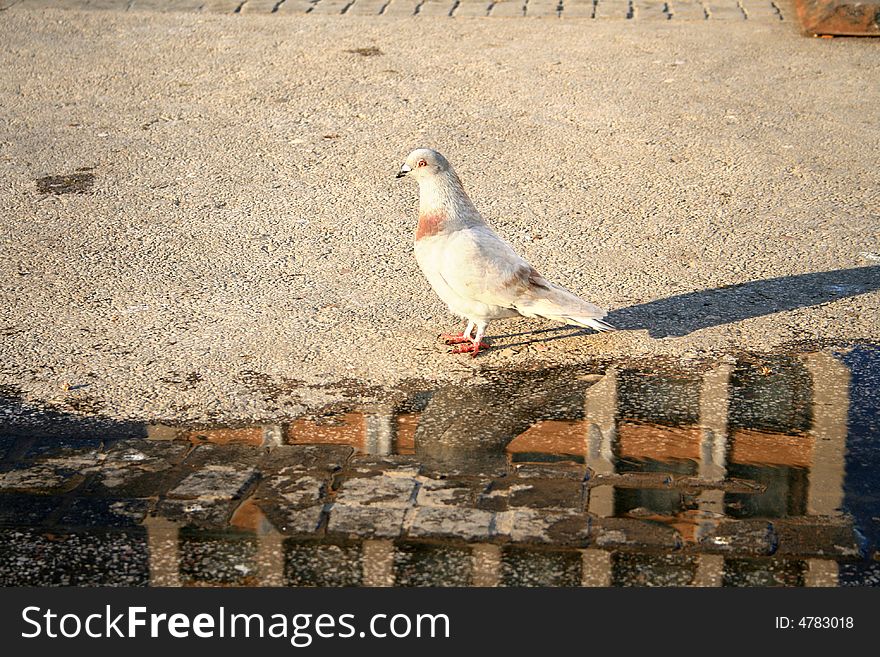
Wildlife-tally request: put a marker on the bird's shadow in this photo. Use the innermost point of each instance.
(681, 314)
(545, 335)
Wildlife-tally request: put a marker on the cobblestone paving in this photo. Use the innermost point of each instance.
(764, 11)
(310, 503)
(627, 478)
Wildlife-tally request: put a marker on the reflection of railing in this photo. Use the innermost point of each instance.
(599, 438)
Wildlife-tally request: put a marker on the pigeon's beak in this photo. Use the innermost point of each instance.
(403, 171)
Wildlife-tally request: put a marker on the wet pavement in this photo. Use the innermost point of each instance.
(749, 470)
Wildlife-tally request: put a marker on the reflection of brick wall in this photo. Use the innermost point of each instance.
(764, 448)
(650, 441)
(348, 429)
(244, 436)
(405, 433)
(560, 437)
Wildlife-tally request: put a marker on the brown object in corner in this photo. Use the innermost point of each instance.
(839, 17)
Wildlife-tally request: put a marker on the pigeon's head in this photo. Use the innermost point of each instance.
(422, 163)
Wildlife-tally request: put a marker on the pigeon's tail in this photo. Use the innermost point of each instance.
(556, 303)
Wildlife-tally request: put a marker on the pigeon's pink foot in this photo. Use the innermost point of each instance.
(455, 338)
(472, 348)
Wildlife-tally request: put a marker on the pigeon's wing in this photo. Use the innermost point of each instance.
(479, 265)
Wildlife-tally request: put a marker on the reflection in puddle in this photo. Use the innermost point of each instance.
(758, 471)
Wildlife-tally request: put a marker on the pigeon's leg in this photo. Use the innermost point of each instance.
(458, 338)
(476, 344)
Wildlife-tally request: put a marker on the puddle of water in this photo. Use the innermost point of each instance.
(754, 471)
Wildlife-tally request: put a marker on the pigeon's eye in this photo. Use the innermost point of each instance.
(422, 163)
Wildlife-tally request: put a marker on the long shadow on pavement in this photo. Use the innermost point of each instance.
(685, 313)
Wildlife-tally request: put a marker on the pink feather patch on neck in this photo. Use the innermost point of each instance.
(430, 224)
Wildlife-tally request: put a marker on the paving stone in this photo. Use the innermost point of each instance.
(630, 532)
(292, 504)
(612, 9)
(365, 521)
(214, 482)
(509, 8)
(102, 512)
(208, 495)
(494, 498)
(564, 470)
(472, 8)
(301, 521)
(402, 8)
(214, 513)
(741, 537)
(139, 468)
(36, 4)
(26, 510)
(331, 7)
(57, 448)
(816, 537)
(450, 522)
(297, 491)
(547, 494)
(531, 526)
(542, 9)
(295, 482)
(535, 493)
(296, 7)
(445, 492)
(166, 5)
(578, 9)
(221, 6)
(732, 485)
(687, 11)
(761, 11)
(304, 521)
(306, 458)
(436, 8)
(366, 7)
(258, 6)
(724, 10)
(634, 480)
(43, 478)
(650, 10)
(382, 490)
(399, 465)
(203, 455)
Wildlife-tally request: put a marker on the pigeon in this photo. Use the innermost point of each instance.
(474, 271)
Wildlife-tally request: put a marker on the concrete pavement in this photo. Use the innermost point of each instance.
(713, 183)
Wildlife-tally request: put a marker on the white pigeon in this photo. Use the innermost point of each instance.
(475, 272)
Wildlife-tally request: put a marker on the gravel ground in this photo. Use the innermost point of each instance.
(244, 224)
